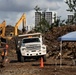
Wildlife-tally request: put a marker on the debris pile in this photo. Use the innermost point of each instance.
(50, 39)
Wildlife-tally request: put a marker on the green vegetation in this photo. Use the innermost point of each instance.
(43, 25)
(72, 8)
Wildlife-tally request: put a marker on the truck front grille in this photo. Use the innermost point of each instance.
(33, 47)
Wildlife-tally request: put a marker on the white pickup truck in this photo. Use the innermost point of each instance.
(30, 46)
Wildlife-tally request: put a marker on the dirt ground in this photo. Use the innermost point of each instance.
(33, 67)
(51, 66)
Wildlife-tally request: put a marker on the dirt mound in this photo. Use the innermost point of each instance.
(9, 29)
(50, 39)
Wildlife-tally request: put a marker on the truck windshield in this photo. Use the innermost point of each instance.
(29, 40)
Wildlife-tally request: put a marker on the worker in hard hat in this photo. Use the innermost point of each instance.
(4, 55)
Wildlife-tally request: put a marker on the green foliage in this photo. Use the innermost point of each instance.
(43, 26)
(57, 21)
(37, 8)
(72, 8)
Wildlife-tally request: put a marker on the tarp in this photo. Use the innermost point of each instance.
(68, 37)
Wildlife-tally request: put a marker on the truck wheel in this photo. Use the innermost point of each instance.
(18, 56)
(22, 58)
(44, 58)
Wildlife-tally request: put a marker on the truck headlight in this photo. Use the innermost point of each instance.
(43, 47)
(23, 49)
(44, 51)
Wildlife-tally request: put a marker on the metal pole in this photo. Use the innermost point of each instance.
(60, 53)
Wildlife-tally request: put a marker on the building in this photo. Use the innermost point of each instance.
(37, 18)
(70, 17)
(47, 15)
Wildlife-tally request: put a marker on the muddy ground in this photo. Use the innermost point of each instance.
(52, 66)
(33, 67)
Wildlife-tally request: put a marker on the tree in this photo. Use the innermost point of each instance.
(56, 21)
(37, 9)
(43, 25)
(72, 8)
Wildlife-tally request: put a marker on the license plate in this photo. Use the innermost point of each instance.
(34, 54)
(33, 51)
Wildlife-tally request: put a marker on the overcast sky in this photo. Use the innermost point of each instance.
(12, 10)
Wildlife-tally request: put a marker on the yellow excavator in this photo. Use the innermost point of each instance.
(2, 29)
(2, 33)
(15, 32)
(23, 20)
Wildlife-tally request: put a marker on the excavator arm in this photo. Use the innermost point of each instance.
(23, 20)
(2, 32)
(2, 29)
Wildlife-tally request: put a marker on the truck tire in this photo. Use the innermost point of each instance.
(18, 56)
(22, 58)
(44, 58)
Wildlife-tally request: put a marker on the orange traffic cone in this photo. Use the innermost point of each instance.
(41, 63)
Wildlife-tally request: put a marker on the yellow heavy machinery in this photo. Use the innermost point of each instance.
(2, 29)
(15, 32)
(23, 20)
(2, 33)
